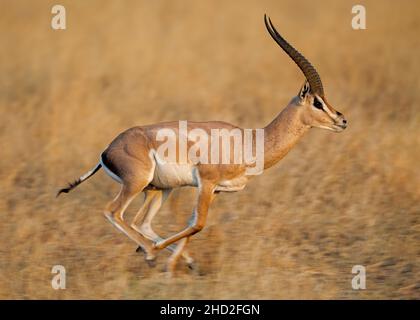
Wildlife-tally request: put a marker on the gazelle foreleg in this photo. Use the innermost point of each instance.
(205, 196)
(173, 259)
(153, 201)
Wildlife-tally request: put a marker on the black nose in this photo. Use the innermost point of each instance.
(344, 121)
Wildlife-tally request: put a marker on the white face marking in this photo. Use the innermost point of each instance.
(325, 107)
(325, 127)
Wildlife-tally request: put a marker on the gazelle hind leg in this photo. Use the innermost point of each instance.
(153, 202)
(114, 212)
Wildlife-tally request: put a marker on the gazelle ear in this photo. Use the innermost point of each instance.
(304, 90)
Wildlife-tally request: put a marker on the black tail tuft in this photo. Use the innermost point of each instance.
(75, 183)
(71, 186)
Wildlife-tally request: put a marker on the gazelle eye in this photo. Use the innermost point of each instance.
(317, 104)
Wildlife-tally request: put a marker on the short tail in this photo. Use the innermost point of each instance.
(75, 183)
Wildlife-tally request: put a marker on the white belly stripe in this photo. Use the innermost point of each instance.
(170, 175)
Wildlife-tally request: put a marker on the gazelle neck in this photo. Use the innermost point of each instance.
(282, 134)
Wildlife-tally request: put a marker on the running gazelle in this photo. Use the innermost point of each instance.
(131, 160)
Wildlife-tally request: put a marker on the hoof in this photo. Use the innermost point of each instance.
(168, 271)
(150, 258)
(169, 275)
(155, 245)
(195, 270)
(151, 263)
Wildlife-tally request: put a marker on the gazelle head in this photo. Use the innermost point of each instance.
(311, 103)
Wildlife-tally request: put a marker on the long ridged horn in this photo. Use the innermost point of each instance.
(308, 70)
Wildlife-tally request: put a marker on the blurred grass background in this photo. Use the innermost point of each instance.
(335, 201)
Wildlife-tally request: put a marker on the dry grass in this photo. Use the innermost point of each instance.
(335, 201)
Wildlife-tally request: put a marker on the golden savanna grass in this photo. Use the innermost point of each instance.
(337, 200)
